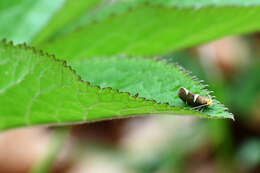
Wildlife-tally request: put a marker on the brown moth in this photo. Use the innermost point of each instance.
(192, 99)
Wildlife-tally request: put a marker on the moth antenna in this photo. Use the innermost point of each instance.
(217, 102)
(198, 106)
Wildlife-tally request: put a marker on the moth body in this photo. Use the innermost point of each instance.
(192, 99)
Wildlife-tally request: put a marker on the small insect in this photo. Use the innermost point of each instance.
(195, 100)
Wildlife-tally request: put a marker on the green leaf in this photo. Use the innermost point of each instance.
(36, 89)
(72, 10)
(153, 28)
(22, 20)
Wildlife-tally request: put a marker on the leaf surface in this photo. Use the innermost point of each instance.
(72, 10)
(147, 28)
(21, 20)
(36, 89)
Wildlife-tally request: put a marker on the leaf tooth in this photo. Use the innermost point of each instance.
(226, 109)
(194, 78)
(47, 54)
(24, 45)
(205, 85)
(128, 93)
(143, 99)
(10, 43)
(188, 72)
(117, 90)
(41, 52)
(99, 87)
(232, 116)
(217, 102)
(154, 101)
(4, 41)
(109, 88)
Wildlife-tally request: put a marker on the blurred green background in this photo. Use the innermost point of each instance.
(151, 144)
